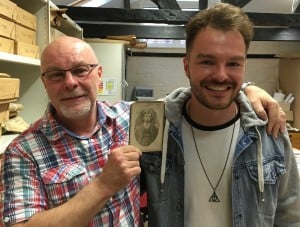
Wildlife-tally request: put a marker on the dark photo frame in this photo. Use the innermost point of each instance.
(147, 120)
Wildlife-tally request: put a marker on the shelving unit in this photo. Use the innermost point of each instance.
(16, 59)
(32, 94)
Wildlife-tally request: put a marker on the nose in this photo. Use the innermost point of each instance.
(220, 72)
(69, 80)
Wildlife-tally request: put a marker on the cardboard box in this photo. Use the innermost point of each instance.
(27, 50)
(4, 112)
(289, 115)
(7, 28)
(7, 8)
(7, 45)
(25, 35)
(285, 106)
(9, 90)
(25, 18)
(295, 139)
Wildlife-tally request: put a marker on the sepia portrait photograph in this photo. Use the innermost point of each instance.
(147, 125)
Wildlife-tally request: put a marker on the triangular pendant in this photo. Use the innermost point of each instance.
(214, 198)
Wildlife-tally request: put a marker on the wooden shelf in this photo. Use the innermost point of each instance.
(17, 59)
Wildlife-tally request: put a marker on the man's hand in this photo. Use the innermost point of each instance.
(122, 166)
(267, 108)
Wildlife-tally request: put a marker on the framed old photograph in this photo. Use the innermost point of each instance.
(147, 125)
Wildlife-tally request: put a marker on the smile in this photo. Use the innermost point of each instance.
(218, 87)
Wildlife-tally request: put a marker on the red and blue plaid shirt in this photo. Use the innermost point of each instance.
(47, 165)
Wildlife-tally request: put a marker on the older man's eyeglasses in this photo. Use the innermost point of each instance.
(80, 71)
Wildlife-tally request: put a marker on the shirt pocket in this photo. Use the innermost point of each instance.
(273, 169)
(63, 182)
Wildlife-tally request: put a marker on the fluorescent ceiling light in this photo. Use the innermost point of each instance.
(95, 3)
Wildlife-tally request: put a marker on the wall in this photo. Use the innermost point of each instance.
(263, 72)
(112, 58)
(164, 74)
(289, 78)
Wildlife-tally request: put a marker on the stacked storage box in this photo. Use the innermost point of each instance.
(7, 26)
(286, 107)
(25, 34)
(17, 30)
(9, 92)
(295, 139)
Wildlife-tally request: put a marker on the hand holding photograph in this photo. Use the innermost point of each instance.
(147, 125)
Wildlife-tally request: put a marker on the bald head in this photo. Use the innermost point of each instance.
(65, 50)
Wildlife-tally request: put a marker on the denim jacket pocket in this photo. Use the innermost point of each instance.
(63, 182)
(272, 169)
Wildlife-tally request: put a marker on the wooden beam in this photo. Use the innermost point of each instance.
(141, 32)
(100, 22)
(177, 32)
(96, 15)
(126, 4)
(277, 34)
(239, 3)
(166, 4)
(203, 4)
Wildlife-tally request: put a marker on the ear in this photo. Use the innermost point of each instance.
(100, 71)
(99, 75)
(186, 67)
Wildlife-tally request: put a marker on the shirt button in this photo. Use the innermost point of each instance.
(6, 219)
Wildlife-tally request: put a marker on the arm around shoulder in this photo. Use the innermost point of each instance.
(266, 108)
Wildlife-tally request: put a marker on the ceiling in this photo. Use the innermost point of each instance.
(273, 19)
(264, 6)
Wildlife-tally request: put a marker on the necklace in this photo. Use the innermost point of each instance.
(214, 197)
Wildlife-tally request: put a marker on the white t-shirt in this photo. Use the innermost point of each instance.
(213, 145)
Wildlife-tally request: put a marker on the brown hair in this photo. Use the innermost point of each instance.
(221, 16)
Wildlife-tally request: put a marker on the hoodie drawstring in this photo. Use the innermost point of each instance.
(260, 170)
(164, 154)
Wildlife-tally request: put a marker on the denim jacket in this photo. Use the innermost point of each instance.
(265, 179)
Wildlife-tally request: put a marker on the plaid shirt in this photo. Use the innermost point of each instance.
(48, 164)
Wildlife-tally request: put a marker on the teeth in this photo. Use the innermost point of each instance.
(217, 88)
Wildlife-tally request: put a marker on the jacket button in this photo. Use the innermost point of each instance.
(151, 167)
